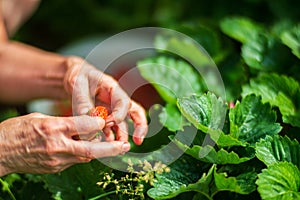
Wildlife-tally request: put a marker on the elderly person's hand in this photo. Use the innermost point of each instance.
(89, 87)
(38, 143)
(42, 144)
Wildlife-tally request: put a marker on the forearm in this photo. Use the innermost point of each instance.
(4, 150)
(28, 73)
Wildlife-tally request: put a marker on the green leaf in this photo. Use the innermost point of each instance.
(205, 111)
(291, 38)
(279, 181)
(275, 149)
(171, 78)
(183, 177)
(185, 47)
(171, 118)
(209, 155)
(242, 184)
(280, 91)
(241, 28)
(251, 120)
(281, 26)
(224, 140)
(8, 181)
(205, 36)
(269, 86)
(194, 53)
(76, 182)
(266, 53)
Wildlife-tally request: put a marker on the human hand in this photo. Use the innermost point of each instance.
(38, 143)
(89, 87)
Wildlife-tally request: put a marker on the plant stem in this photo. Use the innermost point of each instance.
(12, 196)
(103, 195)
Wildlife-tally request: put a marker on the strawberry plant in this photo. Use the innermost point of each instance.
(254, 148)
(239, 138)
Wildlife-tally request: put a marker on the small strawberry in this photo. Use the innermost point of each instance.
(99, 111)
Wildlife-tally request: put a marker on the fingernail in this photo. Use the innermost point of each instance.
(138, 140)
(142, 139)
(110, 124)
(125, 147)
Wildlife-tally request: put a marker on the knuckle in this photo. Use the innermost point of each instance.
(71, 81)
(137, 107)
(88, 153)
(47, 126)
(52, 164)
(67, 125)
(74, 59)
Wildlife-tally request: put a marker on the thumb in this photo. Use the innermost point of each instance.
(81, 97)
(76, 84)
(99, 149)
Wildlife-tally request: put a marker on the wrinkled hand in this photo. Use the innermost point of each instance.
(38, 143)
(89, 87)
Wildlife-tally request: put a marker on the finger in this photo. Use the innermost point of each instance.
(70, 159)
(74, 67)
(109, 134)
(78, 125)
(138, 115)
(76, 84)
(81, 101)
(121, 131)
(89, 136)
(111, 93)
(66, 162)
(62, 161)
(93, 150)
(120, 105)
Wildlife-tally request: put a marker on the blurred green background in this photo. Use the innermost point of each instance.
(60, 22)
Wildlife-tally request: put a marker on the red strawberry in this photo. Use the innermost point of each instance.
(99, 111)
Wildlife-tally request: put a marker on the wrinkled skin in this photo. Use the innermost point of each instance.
(89, 87)
(37, 143)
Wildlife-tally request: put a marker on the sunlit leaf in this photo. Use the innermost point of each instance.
(266, 53)
(171, 78)
(210, 155)
(275, 149)
(205, 111)
(241, 28)
(280, 91)
(242, 184)
(171, 118)
(251, 120)
(291, 38)
(279, 181)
